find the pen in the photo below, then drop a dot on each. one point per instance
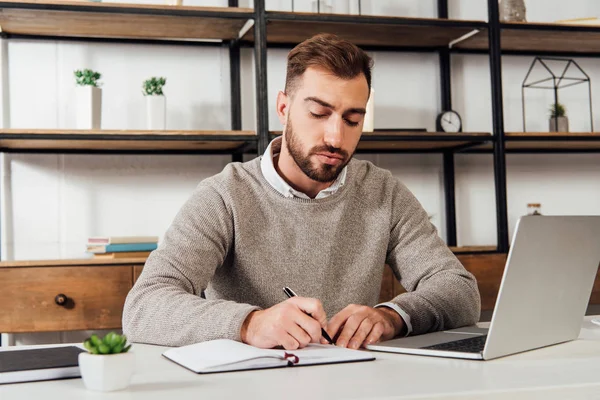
(290, 293)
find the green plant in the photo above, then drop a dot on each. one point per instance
(112, 343)
(557, 110)
(87, 77)
(154, 86)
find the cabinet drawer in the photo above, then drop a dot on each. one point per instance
(30, 298)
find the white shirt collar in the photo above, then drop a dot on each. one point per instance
(279, 184)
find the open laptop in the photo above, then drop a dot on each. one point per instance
(543, 296)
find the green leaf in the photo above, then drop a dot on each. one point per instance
(95, 340)
(117, 349)
(104, 349)
(126, 349)
(88, 345)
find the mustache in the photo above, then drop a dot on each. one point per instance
(329, 149)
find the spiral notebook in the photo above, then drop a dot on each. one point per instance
(223, 355)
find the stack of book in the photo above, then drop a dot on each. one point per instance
(122, 246)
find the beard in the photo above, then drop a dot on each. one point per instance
(316, 171)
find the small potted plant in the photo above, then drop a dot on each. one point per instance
(89, 99)
(156, 103)
(558, 118)
(108, 365)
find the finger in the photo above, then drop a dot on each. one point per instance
(336, 323)
(309, 325)
(288, 342)
(375, 335)
(350, 327)
(313, 307)
(361, 333)
(298, 334)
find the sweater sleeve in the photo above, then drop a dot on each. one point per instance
(165, 306)
(441, 293)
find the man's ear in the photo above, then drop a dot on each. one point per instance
(282, 107)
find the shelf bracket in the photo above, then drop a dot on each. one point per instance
(247, 26)
(463, 38)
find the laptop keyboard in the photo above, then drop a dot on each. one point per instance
(470, 345)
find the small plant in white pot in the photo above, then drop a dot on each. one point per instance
(558, 118)
(89, 99)
(156, 103)
(108, 365)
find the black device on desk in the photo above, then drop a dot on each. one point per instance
(39, 364)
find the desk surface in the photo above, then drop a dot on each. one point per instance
(566, 370)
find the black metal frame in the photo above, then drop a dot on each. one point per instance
(494, 32)
(259, 143)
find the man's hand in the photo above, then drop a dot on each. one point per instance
(361, 325)
(285, 324)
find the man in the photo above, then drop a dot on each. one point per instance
(307, 216)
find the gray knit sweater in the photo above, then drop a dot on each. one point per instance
(240, 242)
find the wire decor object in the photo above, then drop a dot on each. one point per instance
(557, 81)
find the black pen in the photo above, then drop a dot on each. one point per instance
(290, 293)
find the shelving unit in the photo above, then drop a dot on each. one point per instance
(233, 27)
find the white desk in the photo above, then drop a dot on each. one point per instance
(570, 370)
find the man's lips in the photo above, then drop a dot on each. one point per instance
(331, 155)
(330, 158)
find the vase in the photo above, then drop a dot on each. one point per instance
(106, 372)
(562, 126)
(512, 11)
(89, 107)
(156, 109)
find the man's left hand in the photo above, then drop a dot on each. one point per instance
(361, 325)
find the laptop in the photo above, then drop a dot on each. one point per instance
(544, 293)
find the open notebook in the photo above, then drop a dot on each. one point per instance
(228, 355)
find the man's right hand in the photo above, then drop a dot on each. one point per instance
(285, 324)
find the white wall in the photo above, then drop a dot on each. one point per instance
(52, 203)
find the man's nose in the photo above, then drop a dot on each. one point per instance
(334, 133)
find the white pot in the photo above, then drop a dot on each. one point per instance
(563, 124)
(89, 107)
(106, 373)
(156, 112)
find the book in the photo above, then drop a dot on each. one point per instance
(39, 364)
(224, 355)
(122, 247)
(121, 239)
(123, 254)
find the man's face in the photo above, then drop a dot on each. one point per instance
(324, 122)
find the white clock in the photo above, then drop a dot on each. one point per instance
(449, 121)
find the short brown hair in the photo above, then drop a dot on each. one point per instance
(341, 57)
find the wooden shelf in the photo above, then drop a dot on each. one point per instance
(417, 141)
(71, 262)
(123, 140)
(121, 20)
(380, 31)
(420, 141)
(534, 37)
(577, 141)
(473, 249)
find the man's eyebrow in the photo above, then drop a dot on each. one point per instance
(319, 101)
(326, 104)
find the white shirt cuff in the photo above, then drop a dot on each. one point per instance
(402, 314)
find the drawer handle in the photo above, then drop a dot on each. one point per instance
(61, 300)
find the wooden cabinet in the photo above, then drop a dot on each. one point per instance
(72, 295)
(63, 295)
